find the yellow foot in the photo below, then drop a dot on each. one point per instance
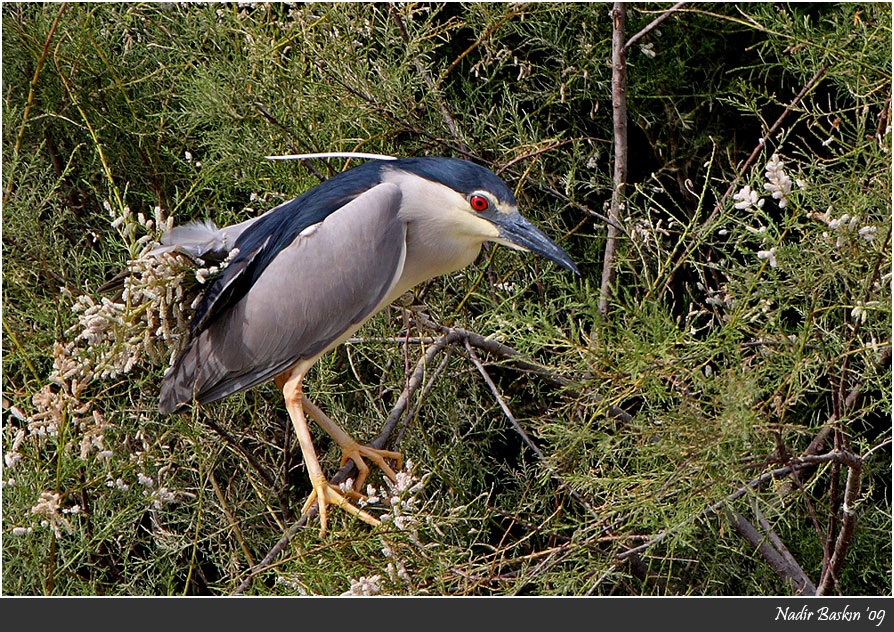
(356, 453)
(325, 494)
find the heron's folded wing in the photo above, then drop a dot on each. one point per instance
(312, 295)
(260, 240)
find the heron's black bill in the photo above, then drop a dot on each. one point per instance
(515, 230)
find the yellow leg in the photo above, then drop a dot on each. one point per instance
(323, 493)
(352, 450)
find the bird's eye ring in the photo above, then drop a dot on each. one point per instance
(479, 203)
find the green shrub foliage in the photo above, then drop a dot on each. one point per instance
(740, 379)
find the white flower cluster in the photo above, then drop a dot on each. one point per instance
(768, 255)
(157, 495)
(396, 570)
(720, 298)
(50, 510)
(844, 225)
(747, 198)
(61, 396)
(364, 587)
(503, 58)
(778, 182)
(646, 234)
(145, 325)
(400, 497)
(118, 483)
(779, 185)
(12, 458)
(111, 337)
(146, 322)
(294, 584)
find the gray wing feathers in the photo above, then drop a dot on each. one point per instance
(316, 291)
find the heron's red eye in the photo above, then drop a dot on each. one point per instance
(479, 203)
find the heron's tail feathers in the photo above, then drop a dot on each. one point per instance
(202, 239)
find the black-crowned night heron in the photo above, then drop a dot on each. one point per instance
(310, 272)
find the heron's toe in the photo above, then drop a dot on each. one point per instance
(325, 494)
(357, 453)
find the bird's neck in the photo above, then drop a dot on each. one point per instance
(427, 257)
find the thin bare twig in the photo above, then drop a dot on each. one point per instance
(582, 207)
(524, 435)
(501, 402)
(619, 115)
(275, 121)
(651, 25)
(234, 524)
(414, 409)
(247, 454)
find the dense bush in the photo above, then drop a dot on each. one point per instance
(724, 429)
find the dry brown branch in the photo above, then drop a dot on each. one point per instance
(415, 380)
(848, 522)
(771, 549)
(495, 348)
(619, 116)
(800, 578)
